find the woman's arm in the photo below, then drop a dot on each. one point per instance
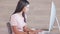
(26, 29)
(16, 31)
(13, 23)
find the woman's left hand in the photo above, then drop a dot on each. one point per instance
(37, 31)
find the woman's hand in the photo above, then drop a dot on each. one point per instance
(34, 32)
(31, 31)
(37, 31)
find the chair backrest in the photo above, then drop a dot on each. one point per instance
(9, 28)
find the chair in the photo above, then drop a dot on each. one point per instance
(9, 28)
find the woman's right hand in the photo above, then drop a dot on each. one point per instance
(34, 32)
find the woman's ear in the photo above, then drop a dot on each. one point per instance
(24, 9)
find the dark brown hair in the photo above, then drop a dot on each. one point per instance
(21, 4)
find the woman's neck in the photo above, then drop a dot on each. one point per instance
(21, 13)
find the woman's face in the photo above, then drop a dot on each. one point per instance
(26, 8)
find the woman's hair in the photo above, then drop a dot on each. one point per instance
(21, 4)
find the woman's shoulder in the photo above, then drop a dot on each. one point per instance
(15, 16)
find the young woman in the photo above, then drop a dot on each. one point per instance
(18, 19)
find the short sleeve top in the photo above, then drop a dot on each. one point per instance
(18, 21)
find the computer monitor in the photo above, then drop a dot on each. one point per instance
(52, 16)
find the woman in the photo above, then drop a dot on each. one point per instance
(18, 19)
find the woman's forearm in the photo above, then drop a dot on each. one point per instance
(15, 30)
(19, 32)
(26, 29)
